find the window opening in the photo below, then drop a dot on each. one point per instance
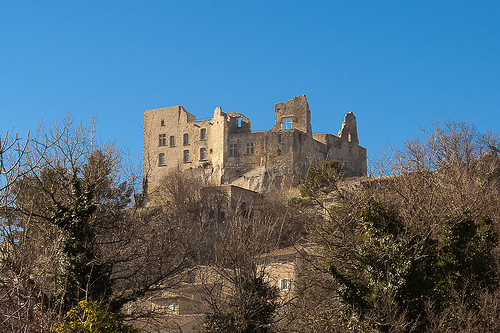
(162, 122)
(162, 140)
(239, 121)
(349, 136)
(279, 137)
(172, 141)
(161, 159)
(186, 139)
(171, 306)
(250, 148)
(211, 150)
(203, 134)
(203, 154)
(186, 156)
(278, 152)
(233, 150)
(287, 123)
(284, 284)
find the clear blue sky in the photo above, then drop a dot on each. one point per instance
(392, 63)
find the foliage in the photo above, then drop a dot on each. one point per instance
(251, 311)
(413, 269)
(82, 273)
(92, 317)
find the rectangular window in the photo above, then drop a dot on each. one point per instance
(162, 140)
(163, 123)
(239, 121)
(172, 141)
(203, 134)
(250, 148)
(203, 154)
(161, 159)
(287, 123)
(233, 150)
(171, 306)
(284, 284)
(186, 156)
(186, 139)
(279, 137)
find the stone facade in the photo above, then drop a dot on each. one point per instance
(224, 149)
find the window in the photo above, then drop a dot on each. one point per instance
(161, 159)
(203, 154)
(349, 136)
(278, 152)
(233, 150)
(203, 134)
(171, 306)
(239, 121)
(186, 156)
(211, 150)
(284, 284)
(163, 122)
(186, 139)
(279, 137)
(287, 123)
(162, 140)
(250, 148)
(172, 141)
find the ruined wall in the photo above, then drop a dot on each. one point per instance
(296, 109)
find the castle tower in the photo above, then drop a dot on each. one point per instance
(294, 114)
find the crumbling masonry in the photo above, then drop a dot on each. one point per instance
(225, 150)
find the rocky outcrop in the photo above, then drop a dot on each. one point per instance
(264, 180)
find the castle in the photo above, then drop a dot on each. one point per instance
(224, 149)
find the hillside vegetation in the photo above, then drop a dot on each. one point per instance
(413, 251)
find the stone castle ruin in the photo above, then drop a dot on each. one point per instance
(224, 150)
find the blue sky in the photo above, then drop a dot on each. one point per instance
(392, 63)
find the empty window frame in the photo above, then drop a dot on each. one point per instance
(286, 123)
(172, 141)
(239, 121)
(185, 139)
(162, 140)
(162, 122)
(233, 150)
(186, 156)
(161, 159)
(203, 134)
(250, 148)
(279, 137)
(203, 154)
